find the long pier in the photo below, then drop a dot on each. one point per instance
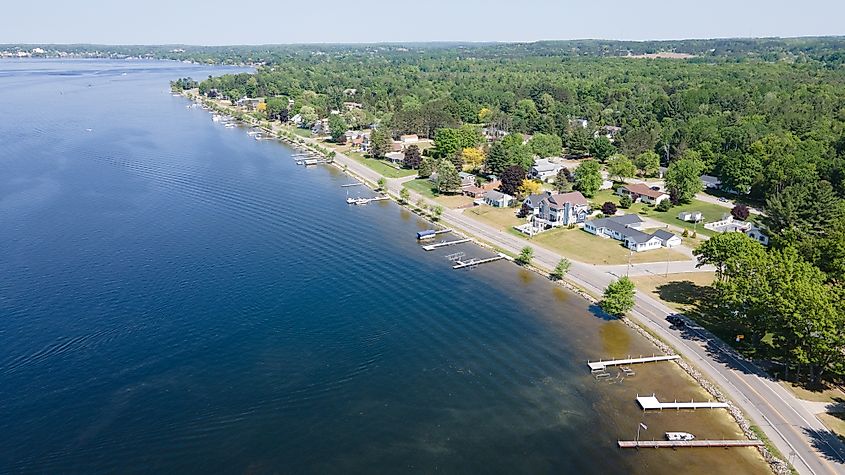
(476, 262)
(432, 247)
(599, 365)
(651, 403)
(673, 444)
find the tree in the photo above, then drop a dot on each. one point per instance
(618, 297)
(625, 201)
(683, 179)
(526, 118)
(563, 180)
(608, 208)
(438, 212)
(512, 179)
(337, 127)
(427, 167)
(648, 163)
(484, 115)
(804, 209)
(380, 141)
(545, 145)
(309, 115)
(588, 178)
(404, 195)
(473, 158)
(448, 180)
(412, 157)
(447, 141)
(620, 167)
(740, 212)
(530, 187)
(601, 148)
(275, 106)
(724, 249)
(382, 184)
(506, 152)
(560, 269)
(525, 256)
(664, 206)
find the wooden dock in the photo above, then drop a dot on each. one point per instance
(674, 444)
(431, 233)
(432, 247)
(651, 403)
(600, 365)
(476, 262)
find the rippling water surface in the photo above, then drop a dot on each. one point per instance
(176, 297)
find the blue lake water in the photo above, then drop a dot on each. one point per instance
(176, 297)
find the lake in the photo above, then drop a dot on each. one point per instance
(176, 297)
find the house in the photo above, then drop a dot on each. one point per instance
(758, 235)
(493, 133)
(248, 103)
(497, 199)
(690, 216)
(625, 228)
(396, 146)
(352, 105)
(583, 123)
(606, 185)
(544, 170)
(473, 191)
(297, 120)
(531, 204)
(642, 193)
(409, 139)
(321, 127)
(609, 131)
(729, 224)
(467, 179)
(711, 182)
(493, 184)
(395, 157)
(562, 210)
(667, 239)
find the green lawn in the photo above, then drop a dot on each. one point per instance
(301, 132)
(679, 291)
(380, 166)
(422, 186)
(585, 247)
(502, 218)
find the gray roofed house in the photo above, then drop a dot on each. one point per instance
(562, 209)
(497, 199)
(624, 228)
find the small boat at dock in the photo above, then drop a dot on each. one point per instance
(679, 436)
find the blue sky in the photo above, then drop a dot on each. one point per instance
(214, 22)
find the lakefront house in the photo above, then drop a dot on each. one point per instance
(642, 193)
(626, 228)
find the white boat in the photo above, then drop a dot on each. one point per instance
(679, 436)
(230, 126)
(216, 118)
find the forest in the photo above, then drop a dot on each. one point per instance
(767, 117)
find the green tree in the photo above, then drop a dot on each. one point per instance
(412, 157)
(723, 249)
(620, 167)
(309, 115)
(404, 195)
(683, 179)
(560, 269)
(648, 163)
(588, 178)
(382, 184)
(337, 127)
(618, 297)
(601, 148)
(625, 202)
(563, 180)
(380, 141)
(447, 141)
(427, 167)
(506, 152)
(438, 212)
(526, 118)
(525, 256)
(545, 145)
(448, 180)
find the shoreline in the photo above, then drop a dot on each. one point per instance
(769, 456)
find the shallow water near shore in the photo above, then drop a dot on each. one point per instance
(177, 297)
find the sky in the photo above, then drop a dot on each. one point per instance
(217, 22)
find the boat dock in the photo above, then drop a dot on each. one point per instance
(432, 247)
(600, 365)
(476, 262)
(350, 184)
(363, 201)
(673, 444)
(431, 233)
(651, 403)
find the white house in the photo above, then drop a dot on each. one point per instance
(690, 216)
(395, 157)
(667, 239)
(498, 199)
(625, 228)
(562, 210)
(544, 170)
(757, 234)
(409, 139)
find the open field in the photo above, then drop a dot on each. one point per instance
(679, 291)
(380, 166)
(585, 247)
(422, 186)
(454, 201)
(502, 218)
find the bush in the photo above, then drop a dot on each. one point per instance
(525, 256)
(686, 233)
(609, 208)
(625, 202)
(664, 205)
(740, 212)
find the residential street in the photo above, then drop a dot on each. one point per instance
(793, 429)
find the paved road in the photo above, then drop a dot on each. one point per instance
(793, 429)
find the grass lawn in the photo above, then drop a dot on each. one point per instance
(585, 247)
(380, 166)
(301, 132)
(422, 186)
(679, 291)
(502, 218)
(825, 394)
(454, 201)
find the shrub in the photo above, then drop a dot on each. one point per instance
(625, 202)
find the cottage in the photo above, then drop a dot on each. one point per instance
(642, 193)
(473, 191)
(544, 170)
(609, 131)
(625, 228)
(606, 185)
(467, 179)
(493, 184)
(409, 139)
(757, 234)
(248, 103)
(562, 210)
(394, 157)
(711, 182)
(583, 123)
(396, 146)
(690, 216)
(497, 199)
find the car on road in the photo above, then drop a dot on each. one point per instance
(676, 320)
(723, 199)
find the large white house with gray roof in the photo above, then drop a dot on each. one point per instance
(626, 228)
